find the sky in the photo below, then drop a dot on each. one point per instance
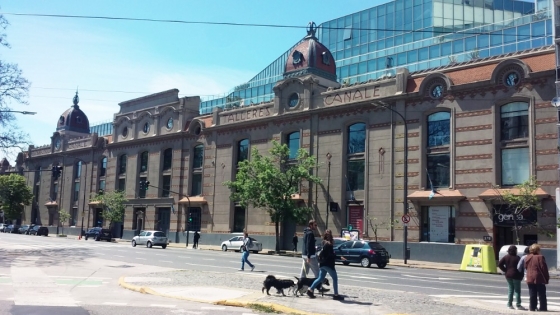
(110, 61)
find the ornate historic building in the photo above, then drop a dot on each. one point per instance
(473, 130)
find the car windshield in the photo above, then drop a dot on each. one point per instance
(159, 234)
(374, 245)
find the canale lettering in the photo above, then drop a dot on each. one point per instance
(248, 114)
(352, 96)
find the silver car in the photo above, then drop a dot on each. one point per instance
(235, 243)
(150, 238)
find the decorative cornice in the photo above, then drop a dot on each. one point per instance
(473, 157)
(473, 113)
(474, 171)
(473, 128)
(473, 142)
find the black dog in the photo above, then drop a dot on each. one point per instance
(279, 284)
(307, 282)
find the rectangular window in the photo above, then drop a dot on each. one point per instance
(515, 166)
(196, 188)
(238, 219)
(76, 191)
(355, 175)
(514, 124)
(74, 217)
(102, 185)
(55, 192)
(122, 184)
(438, 170)
(438, 224)
(166, 186)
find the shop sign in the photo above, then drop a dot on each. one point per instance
(506, 218)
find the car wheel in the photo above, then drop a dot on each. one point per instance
(365, 262)
(97, 239)
(133, 243)
(224, 248)
(108, 240)
(164, 246)
(149, 244)
(86, 237)
(381, 265)
(345, 263)
(255, 251)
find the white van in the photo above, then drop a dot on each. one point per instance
(504, 249)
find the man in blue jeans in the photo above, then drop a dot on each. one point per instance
(247, 243)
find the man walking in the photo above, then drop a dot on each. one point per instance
(295, 241)
(308, 253)
(196, 237)
(247, 244)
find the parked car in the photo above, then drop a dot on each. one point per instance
(99, 234)
(337, 241)
(363, 252)
(3, 227)
(236, 242)
(12, 228)
(504, 249)
(150, 238)
(24, 228)
(39, 230)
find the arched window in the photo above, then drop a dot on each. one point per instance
(438, 129)
(122, 164)
(438, 160)
(355, 149)
(144, 162)
(242, 150)
(198, 156)
(292, 140)
(103, 167)
(167, 159)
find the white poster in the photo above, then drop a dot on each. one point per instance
(439, 224)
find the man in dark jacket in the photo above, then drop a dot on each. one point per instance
(308, 253)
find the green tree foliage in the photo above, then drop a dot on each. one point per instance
(113, 204)
(377, 224)
(268, 182)
(520, 199)
(63, 216)
(14, 89)
(14, 194)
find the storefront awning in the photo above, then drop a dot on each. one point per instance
(448, 195)
(194, 200)
(94, 203)
(51, 204)
(495, 193)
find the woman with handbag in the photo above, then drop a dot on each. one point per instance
(537, 278)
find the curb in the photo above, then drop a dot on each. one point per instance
(235, 303)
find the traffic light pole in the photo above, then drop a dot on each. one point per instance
(188, 212)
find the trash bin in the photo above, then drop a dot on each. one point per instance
(408, 253)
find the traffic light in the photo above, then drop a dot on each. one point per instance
(146, 185)
(190, 217)
(56, 171)
(142, 185)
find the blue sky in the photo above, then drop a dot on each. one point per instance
(113, 61)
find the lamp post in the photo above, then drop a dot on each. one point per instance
(329, 156)
(405, 181)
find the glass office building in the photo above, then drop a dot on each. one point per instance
(416, 34)
(102, 129)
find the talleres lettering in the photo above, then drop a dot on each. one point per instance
(248, 114)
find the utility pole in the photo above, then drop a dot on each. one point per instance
(329, 156)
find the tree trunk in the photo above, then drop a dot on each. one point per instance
(277, 230)
(516, 229)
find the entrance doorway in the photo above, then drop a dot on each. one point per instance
(163, 219)
(503, 235)
(238, 219)
(98, 219)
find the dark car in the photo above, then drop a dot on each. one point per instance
(99, 234)
(39, 230)
(12, 228)
(364, 253)
(24, 229)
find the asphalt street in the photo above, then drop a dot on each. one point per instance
(438, 284)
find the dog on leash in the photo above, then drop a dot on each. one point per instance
(279, 284)
(306, 283)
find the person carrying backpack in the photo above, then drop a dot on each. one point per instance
(247, 244)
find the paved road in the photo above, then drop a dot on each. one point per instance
(437, 284)
(40, 275)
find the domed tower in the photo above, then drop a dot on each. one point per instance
(310, 57)
(73, 121)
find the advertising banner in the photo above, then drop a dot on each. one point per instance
(356, 217)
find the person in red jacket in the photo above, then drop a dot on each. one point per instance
(508, 264)
(537, 278)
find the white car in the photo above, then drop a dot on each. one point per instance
(150, 238)
(236, 242)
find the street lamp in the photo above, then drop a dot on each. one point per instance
(18, 111)
(405, 181)
(329, 156)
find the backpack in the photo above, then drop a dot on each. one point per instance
(248, 243)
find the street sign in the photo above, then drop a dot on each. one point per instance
(350, 227)
(487, 238)
(405, 218)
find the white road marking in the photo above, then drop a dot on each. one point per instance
(159, 254)
(166, 261)
(115, 303)
(118, 256)
(212, 308)
(209, 259)
(71, 277)
(140, 258)
(438, 278)
(162, 305)
(361, 277)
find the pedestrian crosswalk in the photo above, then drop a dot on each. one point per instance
(66, 245)
(493, 302)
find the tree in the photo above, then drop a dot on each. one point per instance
(14, 89)
(63, 216)
(113, 206)
(14, 194)
(519, 201)
(376, 224)
(268, 182)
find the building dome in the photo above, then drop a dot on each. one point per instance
(73, 119)
(310, 56)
